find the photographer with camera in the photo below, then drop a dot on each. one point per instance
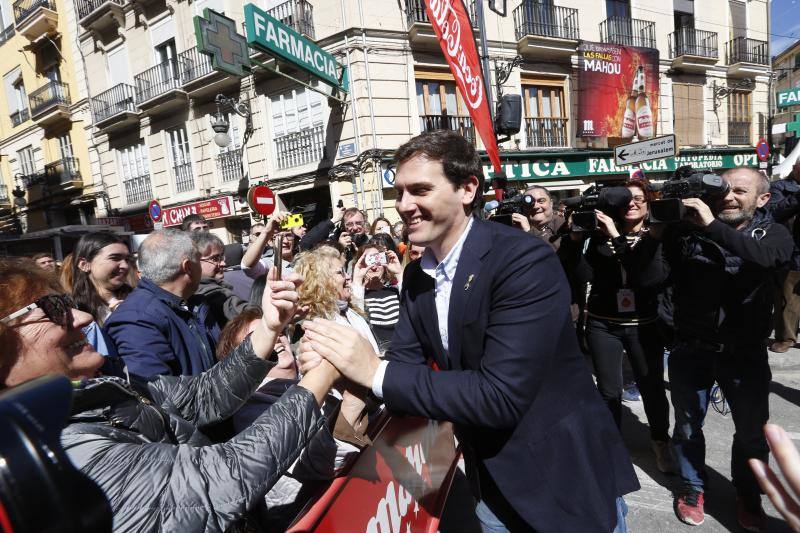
(622, 307)
(723, 259)
(538, 216)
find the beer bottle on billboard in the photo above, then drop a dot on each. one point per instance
(644, 114)
(629, 119)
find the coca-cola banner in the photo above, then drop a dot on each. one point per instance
(618, 91)
(453, 28)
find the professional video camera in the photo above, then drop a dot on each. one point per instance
(503, 209)
(609, 200)
(40, 489)
(685, 183)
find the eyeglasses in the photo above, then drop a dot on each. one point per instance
(56, 307)
(639, 200)
(214, 259)
(354, 224)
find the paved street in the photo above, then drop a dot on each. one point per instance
(651, 507)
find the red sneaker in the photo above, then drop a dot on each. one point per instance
(689, 508)
(751, 515)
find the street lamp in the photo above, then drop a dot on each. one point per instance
(220, 124)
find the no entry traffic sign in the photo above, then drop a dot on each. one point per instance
(261, 200)
(762, 150)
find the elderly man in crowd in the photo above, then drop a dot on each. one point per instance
(539, 218)
(217, 294)
(162, 327)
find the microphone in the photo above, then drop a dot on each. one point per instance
(491, 205)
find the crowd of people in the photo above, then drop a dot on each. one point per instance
(215, 384)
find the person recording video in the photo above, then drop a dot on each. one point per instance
(622, 307)
(538, 217)
(723, 259)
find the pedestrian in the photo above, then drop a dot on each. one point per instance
(217, 294)
(100, 271)
(194, 222)
(45, 261)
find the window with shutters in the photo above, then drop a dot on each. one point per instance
(687, 100)
(298, 127)
(440, 105)
(134, 169)
(25, 161)
(229, 159)
(546, 121)
(180, 154)
(739, 118)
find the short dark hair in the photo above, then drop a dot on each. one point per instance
(539, 188)
(40, 255)
(458, 157)
(187, 221)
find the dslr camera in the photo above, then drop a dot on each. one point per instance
(609, 200)
(686, 183)
(503, 209)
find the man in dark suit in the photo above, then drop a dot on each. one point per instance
(490, 305)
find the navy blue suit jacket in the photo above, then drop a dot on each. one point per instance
(515, 383)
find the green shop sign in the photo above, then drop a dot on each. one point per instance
(270, 35)
(788, 98)
(549, 166)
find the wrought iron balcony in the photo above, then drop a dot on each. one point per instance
(53, 94)
(25, 8)
(195, 65)
(744, 50)
(459, 124)
(63, 171)
(18, 117)
(118, 99)
(100, 14)
(546, 132)
(416, 13)
(545, 20)
(297, 14)
(628, 32)
(87, 7)
(32, 179)
(4, 199)
(184, 178)
(158, 80)
(300, 147)
(230, 165)
(739, 133)
(137, 189)
(7, 34)
(693, 42)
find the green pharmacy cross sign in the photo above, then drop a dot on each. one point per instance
(216, 36)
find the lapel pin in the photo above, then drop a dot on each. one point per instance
(469, 282)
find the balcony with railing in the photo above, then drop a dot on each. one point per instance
(229, 165)
(546, 30)
(63, 172)
(115, 108)
(198, 76)
(159, 88)
(184, 178)
(739, 133)
(628, 32)
(35, 18)
(300, 147)
(297, 14)
(7, 34)
(20, 116)
(747, 57)
(137, 189)
(100, 15)
(546, 132)
(693, 49)
(50, 103)
(459, 124)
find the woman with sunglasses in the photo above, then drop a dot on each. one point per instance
(622, 310)
(142, 442)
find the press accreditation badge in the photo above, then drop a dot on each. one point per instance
(626, 301)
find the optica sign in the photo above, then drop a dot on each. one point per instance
(210, 209)
(267, 33)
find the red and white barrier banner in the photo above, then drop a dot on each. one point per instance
(214, 208)
(398, 484)
(453, 29)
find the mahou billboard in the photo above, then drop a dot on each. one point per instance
(618, 91)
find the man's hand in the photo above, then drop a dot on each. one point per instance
(344, 347)
(274, 225)
(786, 499)
(279, 302)
(521, 220)
(345, 240)
(338, 215)
(606, 224)
(699, 213)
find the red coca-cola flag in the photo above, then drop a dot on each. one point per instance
(454, 30)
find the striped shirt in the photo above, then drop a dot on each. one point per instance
(383, 309)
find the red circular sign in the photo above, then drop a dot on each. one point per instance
(261, 200)
(762, 150)
(155, 211)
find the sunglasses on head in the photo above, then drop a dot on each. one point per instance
(56, 307)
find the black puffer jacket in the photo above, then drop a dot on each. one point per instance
(724, 279)
(160, 473)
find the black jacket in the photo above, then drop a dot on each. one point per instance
(144, 447)
(724, 279)
(784, 206)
